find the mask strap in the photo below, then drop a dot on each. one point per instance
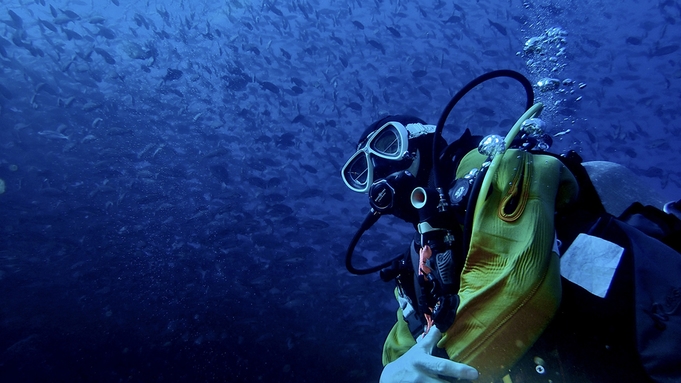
(417, 130)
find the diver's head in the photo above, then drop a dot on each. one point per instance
(393, 157)
(389, 145)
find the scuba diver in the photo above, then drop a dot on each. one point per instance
(520, 268)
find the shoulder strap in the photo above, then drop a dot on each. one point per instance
(655, 223)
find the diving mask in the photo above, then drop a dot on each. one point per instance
(389, 142)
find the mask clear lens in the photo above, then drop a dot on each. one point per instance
(387, 142)
(356, 171)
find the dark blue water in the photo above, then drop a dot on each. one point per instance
(172, 208)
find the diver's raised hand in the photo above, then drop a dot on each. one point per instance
(418, 365)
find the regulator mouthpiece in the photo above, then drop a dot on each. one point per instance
(391, 196)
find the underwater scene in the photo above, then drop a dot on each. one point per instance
(171, 201)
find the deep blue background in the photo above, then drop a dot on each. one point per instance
(193, 228)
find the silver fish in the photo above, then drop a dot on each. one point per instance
(53, 135)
